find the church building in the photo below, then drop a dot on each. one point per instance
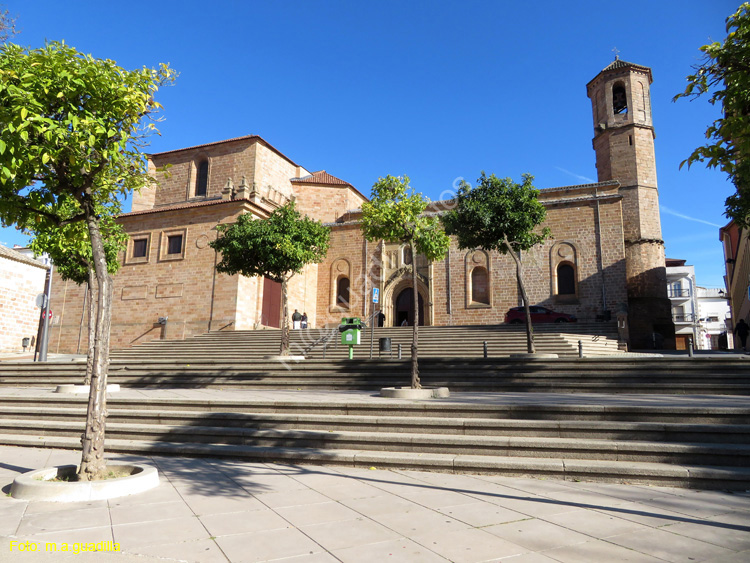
(605, 260)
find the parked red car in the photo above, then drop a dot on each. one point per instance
(517, 315)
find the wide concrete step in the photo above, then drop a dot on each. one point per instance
(375, 440)
(683, 475)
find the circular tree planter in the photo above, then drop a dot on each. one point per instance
(51, 484)
(534, 356)
(409, 393)
(285, 358)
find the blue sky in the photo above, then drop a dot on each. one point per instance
(435, 90)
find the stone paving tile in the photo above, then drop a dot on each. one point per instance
(291, 498)
(70, 536)
(597, 551)
(420, 521)
(348, 533)
(595, 524)
(741, 557)
(401, 550)
(149, 512)
(218, 504)
(40, 507)
(317, 557)
(714, 533)
(668, 546)
(243, 522)
(480, 514)
(469, 546)
(741, 519)
(536, 535)
(695, 505)
(165, 492)
(646, 515)
(160, 532)
(200, 551)
(267, 545)
(318, 513)
(11, 513)
(383, 504)
(64, 520)
(349, 490)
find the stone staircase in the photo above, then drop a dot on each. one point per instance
(654, 442)
(612, 375)
(597, 339)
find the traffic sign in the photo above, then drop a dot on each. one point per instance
(375, 294)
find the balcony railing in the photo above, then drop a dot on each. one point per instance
(674, 292)
(684, 318)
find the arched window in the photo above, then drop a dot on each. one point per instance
(342, 292)
(619, 99)
(480, 286)
(566, 280)
(201, 182)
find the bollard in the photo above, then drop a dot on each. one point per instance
(580, 348)
(690, 347)
(399, 351)
(485, 348)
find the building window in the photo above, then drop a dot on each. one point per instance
(174, 244)
(566, 280)
(140, 248)
(342, 293)
(201, 183)
(480, 286)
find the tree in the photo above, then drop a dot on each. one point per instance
(7, 26)
(499, 214)
(72, 131)
(277, 248)
(395, 213)
(725, 76)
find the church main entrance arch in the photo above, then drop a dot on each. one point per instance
(403, 304)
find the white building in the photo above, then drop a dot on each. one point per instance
(682, 295)
(714, 319)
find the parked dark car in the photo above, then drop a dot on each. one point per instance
(517, 315)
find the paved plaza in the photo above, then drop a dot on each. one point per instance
(217, 510)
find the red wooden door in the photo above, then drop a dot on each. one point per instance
(271, 303)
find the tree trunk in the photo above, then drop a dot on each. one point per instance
(530, 348)
(415, 382)
(284, 350)
(91, 326)
(93, 465)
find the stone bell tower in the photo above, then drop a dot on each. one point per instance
(624, 144)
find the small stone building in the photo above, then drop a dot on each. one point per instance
(606, 257)
(21, 280)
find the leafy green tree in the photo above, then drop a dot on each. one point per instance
(277, 248)
(395, 213)
(71, 130)
(499, 214)
(724, 75)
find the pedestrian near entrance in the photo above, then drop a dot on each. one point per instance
(303, 320)
(405, 322)
(742, 330)
(296, 319)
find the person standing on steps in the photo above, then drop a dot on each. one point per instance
(742, 330)
(296, 319)
(303, 320)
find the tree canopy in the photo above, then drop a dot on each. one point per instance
(396, 213)
(277, 248)
(724, 75)
(499, 214)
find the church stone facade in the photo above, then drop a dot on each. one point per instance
(605, 260)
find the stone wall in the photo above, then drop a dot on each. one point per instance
(21, 280)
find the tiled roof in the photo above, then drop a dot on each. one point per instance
(619, 63)
(257, 138)
(11, 254)
(321, 177)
